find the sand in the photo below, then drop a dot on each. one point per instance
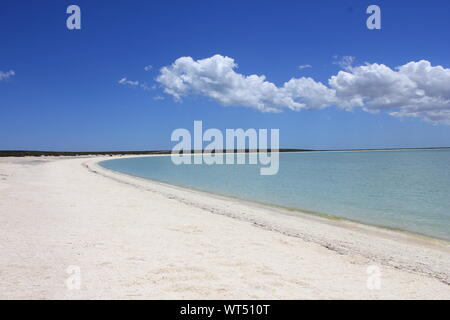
(66, 222)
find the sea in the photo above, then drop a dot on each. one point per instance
(407, 190)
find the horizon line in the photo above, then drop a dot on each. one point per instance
(23, 153)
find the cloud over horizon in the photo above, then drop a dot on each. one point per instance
(415, 89)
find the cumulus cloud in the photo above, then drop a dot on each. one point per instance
(148, 68)
(416, 89)
(216, 78)
(5, 75)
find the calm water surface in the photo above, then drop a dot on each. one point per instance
(407, 190)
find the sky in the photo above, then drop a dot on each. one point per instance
(137, 70)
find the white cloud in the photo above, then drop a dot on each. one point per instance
(416, 89)
(136, 84)
(125, 81)
(215, 77)
(344, 62)
(313, 94)
(304, 66)
(146, 86)
(5, 75)
(148, 68)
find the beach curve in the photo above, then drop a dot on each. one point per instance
(134, 238)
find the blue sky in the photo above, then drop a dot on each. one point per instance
(65, 92)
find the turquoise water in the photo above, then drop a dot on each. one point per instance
(407, 190)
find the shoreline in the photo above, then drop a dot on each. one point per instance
(280, 208)
(341, 223)
(133, 238)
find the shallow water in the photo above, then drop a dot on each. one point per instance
(406, 190)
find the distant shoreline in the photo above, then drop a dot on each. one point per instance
(38, 153)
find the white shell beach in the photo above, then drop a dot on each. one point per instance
(136, 239)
